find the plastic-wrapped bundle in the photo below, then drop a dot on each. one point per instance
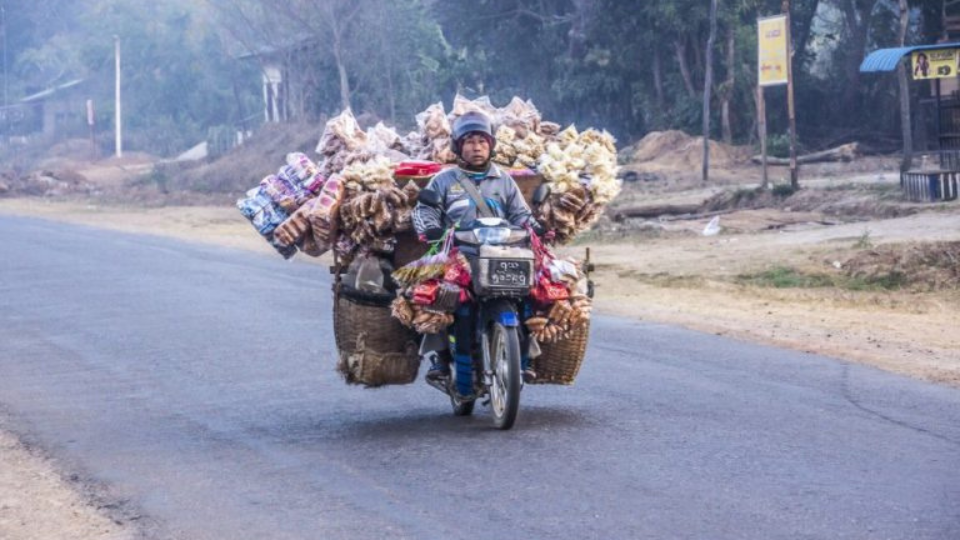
(521, 116)
(296, 227)
(261, 210)
(372, 175)
(289, 174)
(435, 131)
(308, 174)
(324, 216)
(341, 136)
(265, 216)
(514, 149)
(280, 191)
(381, 136)
(303, 167)
(433, 122)
(462, 105)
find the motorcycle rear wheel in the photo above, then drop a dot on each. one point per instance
(504, 347)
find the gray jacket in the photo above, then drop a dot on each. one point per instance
(497, 187)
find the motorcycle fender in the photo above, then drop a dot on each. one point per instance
(509, 319)
(505, 313)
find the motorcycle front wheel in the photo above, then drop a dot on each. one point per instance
(461, 407)
(505, 361)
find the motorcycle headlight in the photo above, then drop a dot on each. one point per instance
(492, 235)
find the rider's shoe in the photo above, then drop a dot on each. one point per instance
(529, 375)
(440, 367)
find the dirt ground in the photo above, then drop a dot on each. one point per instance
(846, 232)
(38, 503)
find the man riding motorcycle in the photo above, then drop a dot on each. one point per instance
(475, 188)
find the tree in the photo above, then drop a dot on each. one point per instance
(707, 87)
(857, 17)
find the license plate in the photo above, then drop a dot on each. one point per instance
(510, 273)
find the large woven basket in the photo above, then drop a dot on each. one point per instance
(374, 348)
(560, 362)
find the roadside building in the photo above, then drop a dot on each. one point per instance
(56, 112)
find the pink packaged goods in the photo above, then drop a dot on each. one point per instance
(302, 166)
(280, 191)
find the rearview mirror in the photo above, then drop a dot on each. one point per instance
(541, 194)
(429, 197)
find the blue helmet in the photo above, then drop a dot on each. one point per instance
(471, 122)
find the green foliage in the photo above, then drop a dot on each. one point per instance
(783, 277)
(778, 145)
(889, 281)
(177, 79)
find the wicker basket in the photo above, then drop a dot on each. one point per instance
(375, 349)
(560, 362)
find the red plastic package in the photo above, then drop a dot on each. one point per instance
(548, 292)
(425, 293)
(417, 168)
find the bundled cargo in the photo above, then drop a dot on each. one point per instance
(286, 206)
(431, 288)
(560, 321)
(582, 171)
(357, 202)
(265, 215)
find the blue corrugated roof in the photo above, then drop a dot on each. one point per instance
(887, 59)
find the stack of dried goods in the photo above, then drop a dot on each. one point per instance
(582, 171)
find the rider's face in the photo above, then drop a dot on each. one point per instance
(475, 149)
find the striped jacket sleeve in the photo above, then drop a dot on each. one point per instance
(425, 217)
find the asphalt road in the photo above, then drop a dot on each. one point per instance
(195, 388)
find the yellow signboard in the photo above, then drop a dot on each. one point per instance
(772, 56)
(936, 64)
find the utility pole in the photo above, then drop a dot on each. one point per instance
(119, 126)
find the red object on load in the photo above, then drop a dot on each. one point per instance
(548, 292)
(417, 168)
(425, 293)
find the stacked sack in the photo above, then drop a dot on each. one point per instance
(351, 203)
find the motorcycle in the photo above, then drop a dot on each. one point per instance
(502, 276)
